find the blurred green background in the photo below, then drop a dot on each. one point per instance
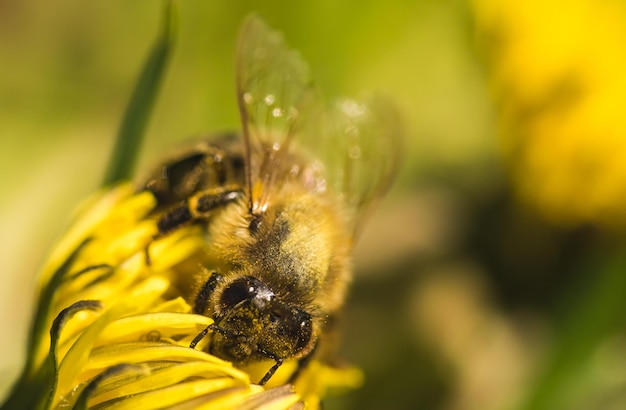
(492, 277)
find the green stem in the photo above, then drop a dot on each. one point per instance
(142, 102)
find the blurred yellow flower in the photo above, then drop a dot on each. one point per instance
(112, 331)
(557, 72)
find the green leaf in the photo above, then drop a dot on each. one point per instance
(142, 101)
(108, 375)
(50, 369)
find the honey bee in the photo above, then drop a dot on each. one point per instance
(282, 204)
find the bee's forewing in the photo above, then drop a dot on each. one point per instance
(357, 144)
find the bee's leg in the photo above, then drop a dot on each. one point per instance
(201, 302)
(204, 295)
(197, 207)
(203, 334)
(175, 218)
(302, 364)
(200, 336)
(204, 203)
(273, 369)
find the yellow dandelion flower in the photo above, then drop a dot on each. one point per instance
(557, 72)
(112, 332)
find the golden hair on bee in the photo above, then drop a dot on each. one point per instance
(301, 243)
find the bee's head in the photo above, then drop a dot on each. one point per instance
(253, 324)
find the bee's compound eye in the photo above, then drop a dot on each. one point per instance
(237, 292)
(247, 288)
(305, 329)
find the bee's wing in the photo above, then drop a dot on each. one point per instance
(357, 143)
(362, 152)
(273, 88)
